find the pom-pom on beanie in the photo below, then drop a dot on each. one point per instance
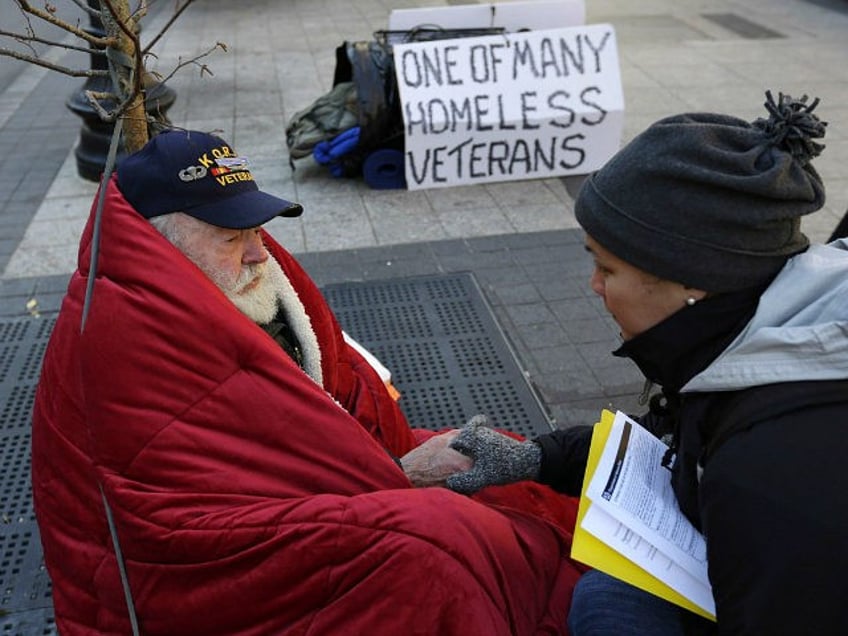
(707, 200)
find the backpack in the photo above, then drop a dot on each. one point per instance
(323, 120)
(364, 94)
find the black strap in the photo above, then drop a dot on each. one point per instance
(122, 568)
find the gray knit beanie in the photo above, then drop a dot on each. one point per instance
(707, 200)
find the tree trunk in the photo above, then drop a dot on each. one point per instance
(119, 26)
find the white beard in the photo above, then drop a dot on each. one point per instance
(261, 303)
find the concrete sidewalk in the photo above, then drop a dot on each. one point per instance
(675, 56)
(519, 238)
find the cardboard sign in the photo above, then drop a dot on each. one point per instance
(507, 107)
(511, 16)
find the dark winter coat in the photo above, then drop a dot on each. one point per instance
(755, 398)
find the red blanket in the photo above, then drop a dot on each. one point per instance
(248, 498)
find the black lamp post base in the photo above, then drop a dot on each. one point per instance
(96, 135)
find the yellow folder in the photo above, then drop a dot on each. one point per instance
(590, 550)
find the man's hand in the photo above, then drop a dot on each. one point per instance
(434, 461)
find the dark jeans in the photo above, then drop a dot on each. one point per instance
(603, 605)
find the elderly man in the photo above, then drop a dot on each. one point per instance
(247, 454)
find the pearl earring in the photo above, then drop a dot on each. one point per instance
(691, 301)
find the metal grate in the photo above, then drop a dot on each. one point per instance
(22, 343)
(31, 623)
(16, 409)
(437, 334)
(448, 357)
(26, 603)
(24, 584)
(15, 489)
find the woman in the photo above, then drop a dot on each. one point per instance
(694, 228)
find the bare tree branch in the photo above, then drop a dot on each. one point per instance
(194, 62)
(62, 24)
(85, 7)
(96, 100)
(34, 59)
(168, 25)
(125, 93)
(25, 39)
(140, 11)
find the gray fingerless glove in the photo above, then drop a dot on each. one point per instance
(498, 459)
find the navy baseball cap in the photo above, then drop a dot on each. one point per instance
(199, 174)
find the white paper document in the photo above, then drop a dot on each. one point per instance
(634, 510)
